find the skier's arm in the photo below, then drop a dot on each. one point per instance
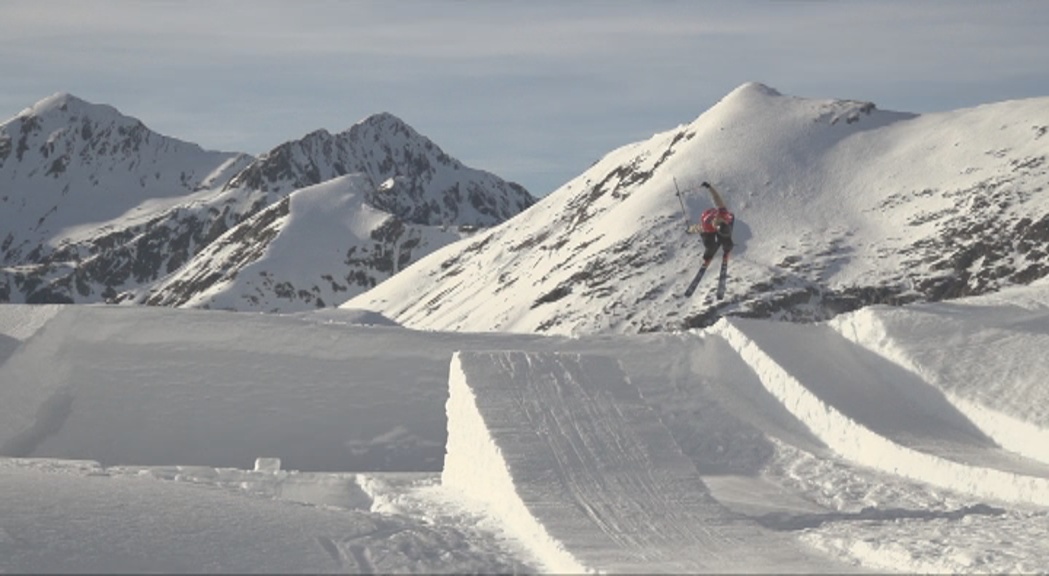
(714, 194)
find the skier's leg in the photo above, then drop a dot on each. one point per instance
(726, 243)
(710, 243)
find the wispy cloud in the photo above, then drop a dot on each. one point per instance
(506, 86)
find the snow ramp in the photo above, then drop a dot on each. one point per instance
(986, 354)
(873, 412)
(567, 455)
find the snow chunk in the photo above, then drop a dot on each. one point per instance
(267, 465)
(21, 322)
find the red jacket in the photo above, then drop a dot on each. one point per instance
(706, 220)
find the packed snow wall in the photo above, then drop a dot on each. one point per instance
(566, 452)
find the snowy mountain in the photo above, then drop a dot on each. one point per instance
(413, 178)
(316, 247)
(69, 167)
(838, 205)
(99, 208)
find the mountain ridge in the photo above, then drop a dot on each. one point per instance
(838, 205)
(104, 208)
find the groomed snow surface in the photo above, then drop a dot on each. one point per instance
(162, 440)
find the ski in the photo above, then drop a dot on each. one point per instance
(722, 276)
(695, 281)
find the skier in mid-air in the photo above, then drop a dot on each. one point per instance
(715, 226)
(715, 229)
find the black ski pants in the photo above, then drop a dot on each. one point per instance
(712, 241)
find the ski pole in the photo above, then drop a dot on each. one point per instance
(684, 211)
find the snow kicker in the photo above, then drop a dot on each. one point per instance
(567, 454)
(917, 434)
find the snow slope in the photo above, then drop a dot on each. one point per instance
(324, 243)
(982, 352)
(146, 439)
(838, 205)
(883, 417)
(67, 516)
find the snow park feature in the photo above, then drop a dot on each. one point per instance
(353, 354)
(147, 439)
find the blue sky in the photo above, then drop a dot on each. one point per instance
(533, 91)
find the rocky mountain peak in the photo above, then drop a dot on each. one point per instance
(410, 176)
(62, 106)
(62, 130)
(383, 123)
(95, 207)
(838, 206)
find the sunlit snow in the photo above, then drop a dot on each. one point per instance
(529, 400)
(829, 196)
(146, 439)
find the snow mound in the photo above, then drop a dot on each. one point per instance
(567, 453)
(352, 316)
(91, 373)
(873, 413)
(985, 354)
(21, 322)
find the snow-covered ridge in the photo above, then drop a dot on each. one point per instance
(66, 163)
(838, 205)
(96, 207)
(411, 177)
(319, 246)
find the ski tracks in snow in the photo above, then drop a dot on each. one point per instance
(603, 484)
(597, 469)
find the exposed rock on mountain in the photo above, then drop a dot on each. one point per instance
(100, 208)
(838, 205)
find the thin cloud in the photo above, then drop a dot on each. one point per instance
(493, 82)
